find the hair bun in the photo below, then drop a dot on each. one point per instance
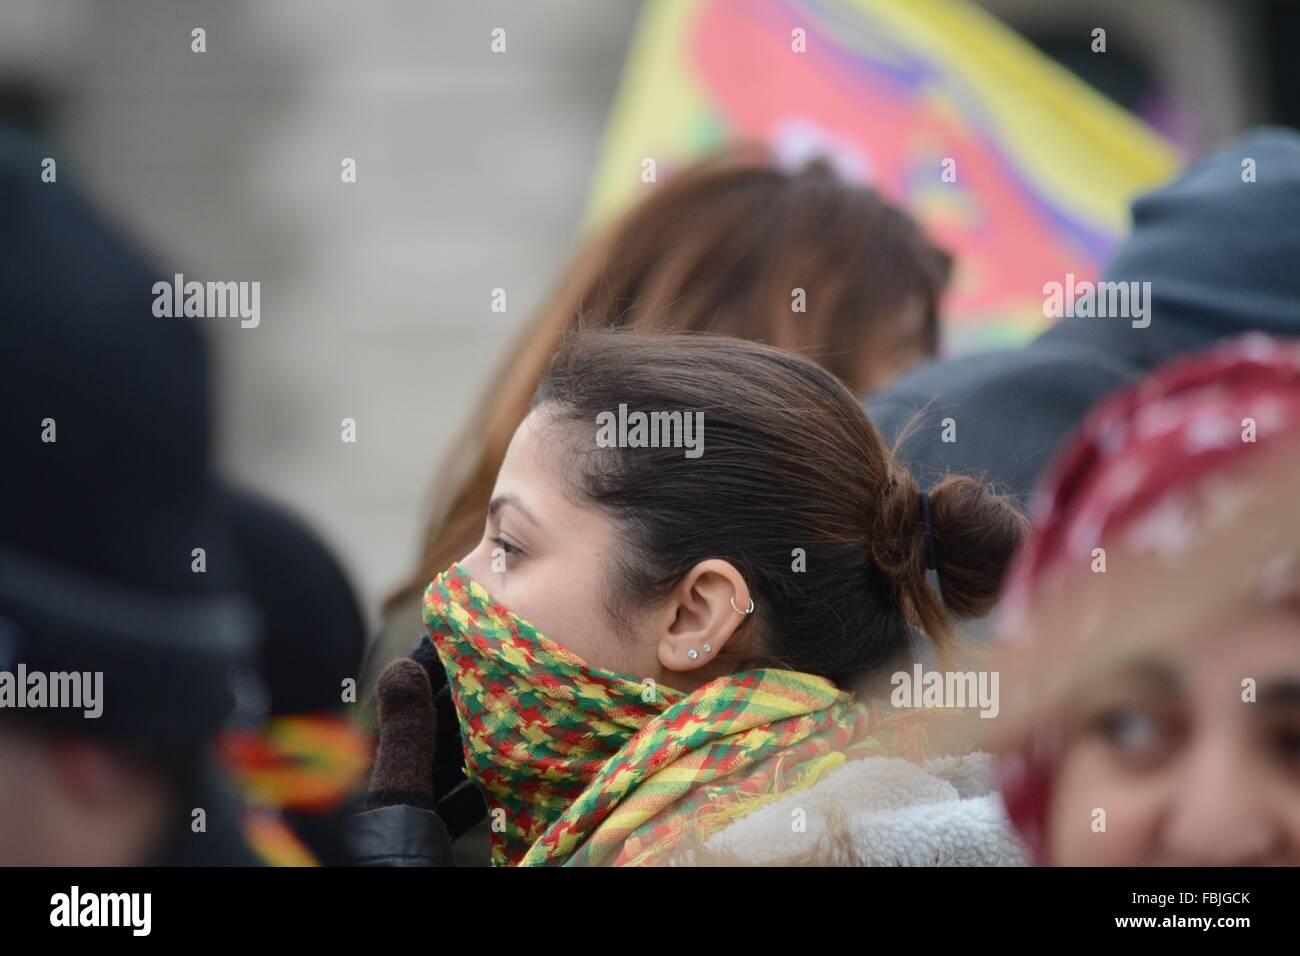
(965, 531)
(976, 533)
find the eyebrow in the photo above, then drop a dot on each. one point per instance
(1143, 675)
(500, 501)
(1155, 673)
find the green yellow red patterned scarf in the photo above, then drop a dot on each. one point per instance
(585, 766)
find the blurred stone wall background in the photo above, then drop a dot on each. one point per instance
(472, 171)
(472, 175)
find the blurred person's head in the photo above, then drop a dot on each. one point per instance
(311, 620)
(644, 560)
(800, 260)
(117, 580)
(1153, 626)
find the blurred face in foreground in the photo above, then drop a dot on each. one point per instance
(1153, 625)
(1192, 752)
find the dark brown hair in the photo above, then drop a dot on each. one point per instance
(720, 246)
(789, 461)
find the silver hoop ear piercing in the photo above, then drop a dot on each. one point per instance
(747, 611)
(693, 654)
(707, 648)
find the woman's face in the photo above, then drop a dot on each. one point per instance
(1179, 762)
(547, 558)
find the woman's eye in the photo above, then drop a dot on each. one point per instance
(1286, 744)
(505, 545)
(1135, 736)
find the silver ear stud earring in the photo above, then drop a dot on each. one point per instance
(749, 610)
(707, 648)
(693, 654)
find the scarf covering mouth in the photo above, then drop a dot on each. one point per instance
(583, 766)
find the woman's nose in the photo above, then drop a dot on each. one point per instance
(471, 563)
(1219, 814)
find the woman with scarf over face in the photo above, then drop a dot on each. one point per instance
(666, 652)
(733, 245)
(1151, 684)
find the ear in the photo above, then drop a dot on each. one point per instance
(700, 617)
